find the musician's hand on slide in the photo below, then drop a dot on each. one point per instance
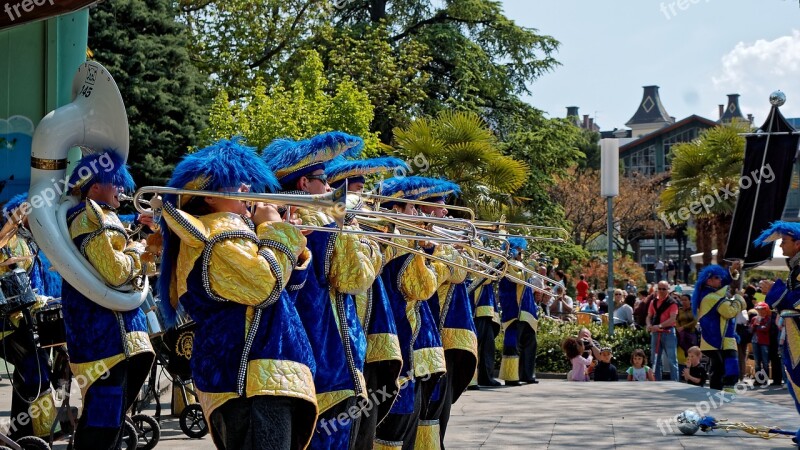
(266, 212)
(765, 286)
(737, 265)
(147, 220)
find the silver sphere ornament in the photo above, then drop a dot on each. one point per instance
(688, 422)
(777, 98)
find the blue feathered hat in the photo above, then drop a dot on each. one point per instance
(707, 272)
(354, 170)
(12, 204)
(439, 191)
(106, 167)
(224, 164)
(291, 160)
(515, 245)
(404, 188)
(776, 231)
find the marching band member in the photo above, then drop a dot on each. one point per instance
(716, 313)
(342, 266)
(384, 359)
(410, 280)
(519, 317)
(785, 298)
(487, 326)
(252, 364)
(102, 342)
(31, 378)
(452, 312)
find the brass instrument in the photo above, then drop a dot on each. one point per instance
(383, 198)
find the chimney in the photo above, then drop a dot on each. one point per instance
(732, 111)
(721, 110)
(572, 111)
(651, 111)
(585, 121)
(591, 124)
(750, 118)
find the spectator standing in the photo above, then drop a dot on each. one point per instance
(630, 287)
(745, 333)
(640, 310)
(671, 271)
(639, 370)
(686, 327)
(605, 371)
(659, 270)
(687, 269)
(760, 327)
(581, 289)
(661, 317)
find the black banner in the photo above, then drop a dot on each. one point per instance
(768, 163)
(18, 12)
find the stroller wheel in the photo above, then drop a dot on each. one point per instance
(193, 423)
(129, 437)
(147, 430)
(32, 443)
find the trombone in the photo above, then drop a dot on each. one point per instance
(496, 226)
(379, 198)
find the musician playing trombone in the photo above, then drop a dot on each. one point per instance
(109, 349)
(252, 364)
(384, 359)
(451, 310)
(410, 280)
(31, 378)
(520, 320)
(342, 265)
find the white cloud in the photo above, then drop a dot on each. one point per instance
(756, 69)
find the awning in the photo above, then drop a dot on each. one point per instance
(776, 264)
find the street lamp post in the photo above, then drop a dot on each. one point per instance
(609, 188)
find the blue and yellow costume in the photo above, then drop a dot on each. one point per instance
(518, 313)
(342, 266)
(410, 280)
(487, 326)
(453, 315)
(384, 359)
(251, 361)
(31, 378)
(716, 314)
(785, 298)
(101, 340)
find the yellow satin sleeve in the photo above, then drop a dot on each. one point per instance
(17, 246)
(419, 281)
(375, 255)
(352, 269)
(237, 272)
(108, 252)
(314, 218)
(729, 308)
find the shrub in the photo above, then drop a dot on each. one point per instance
(550, 357)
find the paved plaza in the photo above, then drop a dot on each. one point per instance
(555, 414)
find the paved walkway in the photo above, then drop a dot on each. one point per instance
(555, 414)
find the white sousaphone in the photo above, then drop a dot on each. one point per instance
(96, 119)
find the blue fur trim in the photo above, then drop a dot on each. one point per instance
(440, 188)
(776, 230)
(224, 164)
(702, 277)
(341, 168)
(117, 174)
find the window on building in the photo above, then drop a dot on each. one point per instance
(676, 138)
(642, 161)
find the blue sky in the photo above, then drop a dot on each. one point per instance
(697, 55)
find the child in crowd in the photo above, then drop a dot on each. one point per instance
(573, 348)
(694, 373)
(760, 328)
(605, 371)
(639, 370)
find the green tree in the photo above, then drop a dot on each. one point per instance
(460, 147)
(145, 48)
(298, 110)
(701, 170)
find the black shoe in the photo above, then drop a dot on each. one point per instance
(491, 383)
(513, 383)
(473, 387)
(532, 381)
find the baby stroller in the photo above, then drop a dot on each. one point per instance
(173, 351)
